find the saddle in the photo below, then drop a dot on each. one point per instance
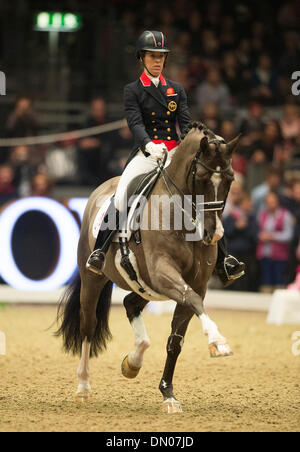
(143, 184)
(138, 192)
(140, 188)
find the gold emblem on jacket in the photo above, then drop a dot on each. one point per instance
(172, 106)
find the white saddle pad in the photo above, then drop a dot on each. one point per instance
(130, 219)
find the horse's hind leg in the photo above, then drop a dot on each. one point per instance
(181, 319)
(90, 295)
(134, 305)
(83, 373)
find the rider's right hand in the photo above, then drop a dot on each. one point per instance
(156, 150)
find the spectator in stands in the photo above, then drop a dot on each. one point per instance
(92, 154)
(271, 140)
(243, 54)
(261, 154)
(275, 232)
(120, 145)
(209, 49)
(291, 201)
(227, 35)
(252, 126)
(290, 122)
(264, 81)
(167, 19)
(195, 68)
(245, 63)
(241, 233)
(41, 185)
(289, 60)
(61, 162)
(24, 169)
(210, 116)
(288, 15)
(273, 184)
(23, 121)
(213, 90)
(213, 14)
(231, 75)
(182, 77)
(257, 39)
(181, 49)
(195, 26)
(228, 132)
(8, 190)
(234, 199)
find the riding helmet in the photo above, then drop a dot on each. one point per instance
(154, 41)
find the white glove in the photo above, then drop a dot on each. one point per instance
(156, 150)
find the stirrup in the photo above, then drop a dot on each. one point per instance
(225, 277)
(96, 262)
(238, 264)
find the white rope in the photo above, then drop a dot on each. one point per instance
(74, 134)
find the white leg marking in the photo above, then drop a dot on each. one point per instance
(141, 342)
(83, 372)
(210, 329)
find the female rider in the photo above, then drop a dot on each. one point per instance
(153, 105)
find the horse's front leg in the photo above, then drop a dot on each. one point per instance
(181, 319)
(132, 363)
(217, 344)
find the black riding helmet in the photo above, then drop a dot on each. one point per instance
(153, 41)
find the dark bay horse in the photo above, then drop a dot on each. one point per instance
(169, 266)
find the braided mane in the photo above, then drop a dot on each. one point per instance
(196, 125)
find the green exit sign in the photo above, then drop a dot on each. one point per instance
(56, 21)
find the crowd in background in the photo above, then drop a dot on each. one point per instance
(237, 74)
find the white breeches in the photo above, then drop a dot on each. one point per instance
(138, 165)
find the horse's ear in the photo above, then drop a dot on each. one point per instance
(230, 147)
(204, 146)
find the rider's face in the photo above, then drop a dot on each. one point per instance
(154, 62)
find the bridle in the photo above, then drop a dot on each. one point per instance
(212, 206)
(207, 206)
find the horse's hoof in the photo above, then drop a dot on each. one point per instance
(83, 397)
(127, 370)
(171, 406)
(219, 350)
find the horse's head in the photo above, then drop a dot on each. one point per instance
(210, 174)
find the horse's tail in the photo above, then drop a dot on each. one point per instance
(69, 316)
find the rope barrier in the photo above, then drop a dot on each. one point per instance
(74, 134)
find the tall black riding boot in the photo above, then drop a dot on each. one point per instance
(228, 268)
(96, 261)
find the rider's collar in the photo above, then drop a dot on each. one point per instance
(146, 80)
